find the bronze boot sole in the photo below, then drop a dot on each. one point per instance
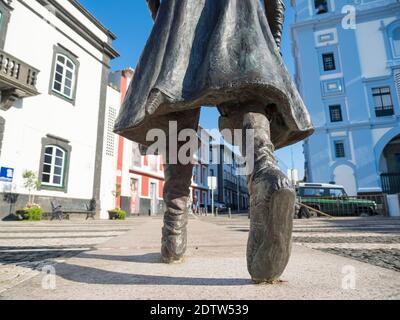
(269, 245)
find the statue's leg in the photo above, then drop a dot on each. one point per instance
(176, 195)
(272, 200)
(178, 179)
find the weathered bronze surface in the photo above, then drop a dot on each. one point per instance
(226, 54)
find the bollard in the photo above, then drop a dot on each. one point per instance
(230, 213)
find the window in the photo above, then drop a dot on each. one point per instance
(328, 60)
(396, 42)
(336, 113)
(383, 101)
(136, 156)
(64, 74)
(337, 193)
(197, 175)
(321, 6)
(153, 163)
(5, 12)
(54, 163)
(339, 149)
(53, 166)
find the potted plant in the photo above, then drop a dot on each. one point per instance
(32, 211)
(117, 214)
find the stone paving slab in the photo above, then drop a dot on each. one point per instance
(127, 267)
(27, 247)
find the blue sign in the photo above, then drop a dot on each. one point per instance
(6, 174)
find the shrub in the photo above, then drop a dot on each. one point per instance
(33, 213)
(119, 213)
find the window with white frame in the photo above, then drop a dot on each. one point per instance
(396, 42)
(64, 76)
(53, 166)
(136, 156)
(1, 20)
(5, 12)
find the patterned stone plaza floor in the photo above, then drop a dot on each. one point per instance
(26, 247)
(121, 260)
(371, 240)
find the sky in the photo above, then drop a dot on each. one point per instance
(131, 22)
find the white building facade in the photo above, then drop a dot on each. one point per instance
(54, 73)
(347, 56)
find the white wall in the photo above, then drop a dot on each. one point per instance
(33, 118)
(373, 59)
(109, 161)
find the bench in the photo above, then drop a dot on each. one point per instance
(59, 212)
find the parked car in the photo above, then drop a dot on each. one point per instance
(220, 206)
(333, 200)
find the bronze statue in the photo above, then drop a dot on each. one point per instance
(223, 53)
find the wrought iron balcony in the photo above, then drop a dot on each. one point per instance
(17, 80)
(390, 183)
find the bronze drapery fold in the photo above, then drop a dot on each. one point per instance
(274, 9)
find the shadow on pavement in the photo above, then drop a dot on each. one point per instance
(153, 258)
(91, 275)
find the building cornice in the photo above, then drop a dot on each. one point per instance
(76, 25)
(92, 18)
(359, 125)
(66, 17)
(335, 18)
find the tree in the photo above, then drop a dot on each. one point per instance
(31, 182)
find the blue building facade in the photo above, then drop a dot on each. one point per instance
(347, 58)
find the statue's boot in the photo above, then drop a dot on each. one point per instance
(176, 194)
(272, 201)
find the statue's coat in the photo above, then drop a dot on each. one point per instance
(211, 53)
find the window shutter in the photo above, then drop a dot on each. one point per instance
(110, 145)
(397, 82)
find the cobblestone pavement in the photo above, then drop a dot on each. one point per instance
(371, 240)
(26, 247)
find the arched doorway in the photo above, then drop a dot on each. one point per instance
(344, 176)
(389, 166)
